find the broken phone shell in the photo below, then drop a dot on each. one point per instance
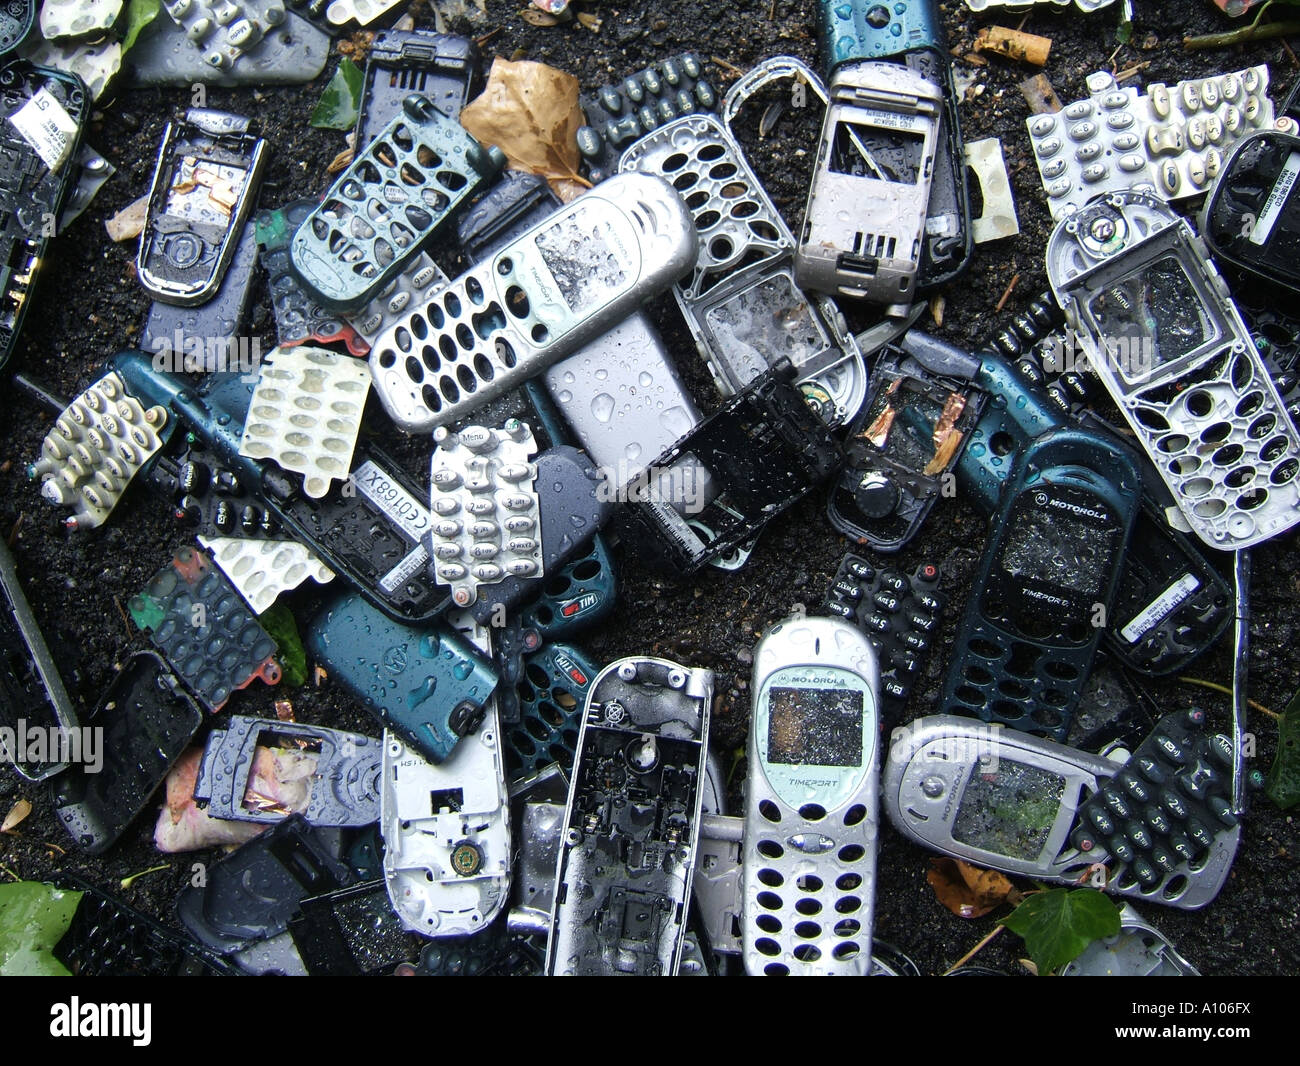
(1137, 950)
(446, 827)
(896, 469)
(568, 280)
(763, 450)
(863, 236)
(1154, 319)
(912, 34)
(1047, 583)
(438, 66)
(367, 529)
(633, 355)
(31, 686)
(810, 801)
(33, 197)
(985, 796)
(388, 204)
(146, 719)
(425, 684)
(186, 245)
(344, 782)
(623, 883)
(741, 302)
(1252, 217)
(251, 893)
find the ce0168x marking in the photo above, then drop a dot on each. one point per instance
(565, 282)
(1154, 319)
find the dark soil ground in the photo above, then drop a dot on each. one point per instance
(90, 305)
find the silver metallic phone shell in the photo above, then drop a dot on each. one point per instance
(435, 819)
(632, 822)
(565, 282)
(863, 236)
(809, 874)
(741, 302)
(929, 767)
(1211, 419)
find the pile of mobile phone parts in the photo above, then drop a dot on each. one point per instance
(439, 67)
(1171, 142)
(617, 115)
(299, 317)
(1148, 309)
(764, 450)
(204, 629)
(388, 203)
(566, 281)
(899, 614)
(741, 302)
(305, 414)
(340, 772)
(95, 448)
(633, 818)
(206, 179)
(147, 719)
(40, 130)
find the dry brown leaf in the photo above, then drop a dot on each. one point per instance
(530, 111)
(966, 890)
(17, 813)
(129, 222)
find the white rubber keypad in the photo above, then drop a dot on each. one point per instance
(1171, 141)
(94, 450)
(305, 414)
(262, 569)
(486, 517)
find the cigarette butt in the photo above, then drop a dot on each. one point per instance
(1014, 44)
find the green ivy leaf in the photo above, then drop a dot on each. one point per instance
(1058, 924)
(338, 104)
(32, 919)
(139, 13)
(1283, 784)
(279, 622)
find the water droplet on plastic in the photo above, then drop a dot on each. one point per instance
(645, 379)
(603, 406)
